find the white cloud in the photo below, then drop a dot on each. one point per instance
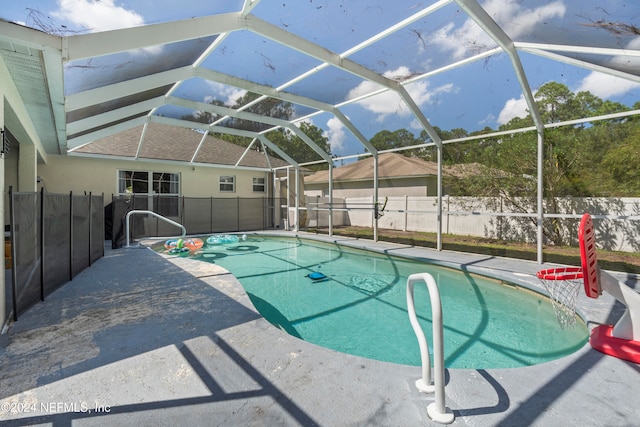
(488, 121)
(514, 19)
(416, 125)
(227, 94)
(518, 21)
(513, 108)
(336, 135)
(389, 102)
(601, 85)
(97, 15)
(605, 85)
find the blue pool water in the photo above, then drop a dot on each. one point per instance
(361, 308)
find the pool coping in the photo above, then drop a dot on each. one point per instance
(235, 368)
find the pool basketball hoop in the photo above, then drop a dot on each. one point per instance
(563, 285)
(621, 340)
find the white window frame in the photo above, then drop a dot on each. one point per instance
(227, 180)
(257, 184)
(153, 183)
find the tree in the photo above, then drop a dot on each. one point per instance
(298, 149)
(504, 170)
(284, 139)
(620, 171)
(557, 103)
(205, 116)
(387, 140)
(269, 107)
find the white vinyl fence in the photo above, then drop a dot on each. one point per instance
(617, 220)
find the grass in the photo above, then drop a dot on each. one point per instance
(628, 262)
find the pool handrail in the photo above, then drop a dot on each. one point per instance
(145, 212)
(437, 410)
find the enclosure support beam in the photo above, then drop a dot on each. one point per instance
(439, 209)
(375, 197)
(486, 22)
(288, 196)
(540, 196)
(330, 198)
(296, 216)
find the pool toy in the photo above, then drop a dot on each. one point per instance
(193, 244)
(621, 340)
(173, 244)
(219, 239)
(176, 251)
(176, 246)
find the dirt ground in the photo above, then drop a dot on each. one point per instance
(628, 262)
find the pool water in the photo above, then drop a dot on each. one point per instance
(360, 308)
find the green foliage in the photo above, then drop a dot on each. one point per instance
(578, 160)
(582, 160)
(284, 139)
(620, 167)
(586, 159)
(298, 149)
(387, 140)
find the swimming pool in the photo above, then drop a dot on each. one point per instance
(360, 308)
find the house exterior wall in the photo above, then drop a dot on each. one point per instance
(387, 187)
(62, 174)
(11, 104)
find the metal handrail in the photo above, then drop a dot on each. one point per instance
(143, 212)
(437, 410)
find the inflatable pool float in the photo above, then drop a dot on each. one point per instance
(219, 239)
(176, 251)
(176, 246)
(173, 243)
(193, 244)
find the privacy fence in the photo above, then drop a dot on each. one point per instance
(198, 215)
(52, 238)
(617, 220)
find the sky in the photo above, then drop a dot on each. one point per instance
(478, 94)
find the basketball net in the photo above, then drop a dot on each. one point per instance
(563, 285)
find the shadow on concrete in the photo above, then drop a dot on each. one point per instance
(266, 388)
(502, 405)
(128, 303)
(529, 410)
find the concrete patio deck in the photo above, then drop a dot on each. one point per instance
(140, 339)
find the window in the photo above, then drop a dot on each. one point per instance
(258, 185)
(228, 184)
(164, 185)
(131, 182)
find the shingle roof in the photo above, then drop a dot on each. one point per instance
(164, 142)
(390, 165)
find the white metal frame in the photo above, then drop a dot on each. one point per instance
(60, 50)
